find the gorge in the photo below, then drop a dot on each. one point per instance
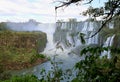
(63, 42)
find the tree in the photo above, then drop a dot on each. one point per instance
(115, 30)
(3, 26)
(111, 10)
(94, 68)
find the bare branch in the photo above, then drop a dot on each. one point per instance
(89, 2)
(64, 4)
(114, 10)
(109, 16)
(100, 28)
(67, 3)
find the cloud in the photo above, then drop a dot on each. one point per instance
(41, 10)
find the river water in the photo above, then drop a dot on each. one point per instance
(63, 44)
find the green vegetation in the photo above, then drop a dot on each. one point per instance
(108, 32)
(17, 49)
(26, 78)
(3, 26)
(3, 74)
(93, 68)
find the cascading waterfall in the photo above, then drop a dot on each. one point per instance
(107, 43)
(63, 41)
(69, 33)
(89, 29)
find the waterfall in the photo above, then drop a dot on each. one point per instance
(111, 25)
(67, 32)
(49, 30)
(107, 43)
(89, 29)
(63, 42)
(57, 37)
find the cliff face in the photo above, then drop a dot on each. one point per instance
(25, 40)
(22, 38)
(20, 47)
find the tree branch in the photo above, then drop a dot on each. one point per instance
(90, 1)
(113, 11)
(67, 3)
(108, 17)
(100, 28)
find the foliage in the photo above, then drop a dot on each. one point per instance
(96, 68)
(25, 78)
(112, 7)
(3, 26)
(3, 74)
(94, 12)
(20, 48)
(109, 11)
(82, 36)
(36, 56)
(107, 32)
(56, 74)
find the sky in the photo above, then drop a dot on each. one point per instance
(39, 10)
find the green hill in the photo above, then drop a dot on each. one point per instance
(21, 49)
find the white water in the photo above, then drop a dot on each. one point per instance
(51, 50)
(107, 43)
(57, 36)
(63, 31)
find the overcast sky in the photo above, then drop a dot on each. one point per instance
(40, 10)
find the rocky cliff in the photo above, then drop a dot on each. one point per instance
(20, 47)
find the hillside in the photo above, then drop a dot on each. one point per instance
(20, 50)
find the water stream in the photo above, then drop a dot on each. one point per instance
(107, 43)
(62, 41)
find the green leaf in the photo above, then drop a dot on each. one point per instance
(81, 35)
(84, 51)
(75, 80)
